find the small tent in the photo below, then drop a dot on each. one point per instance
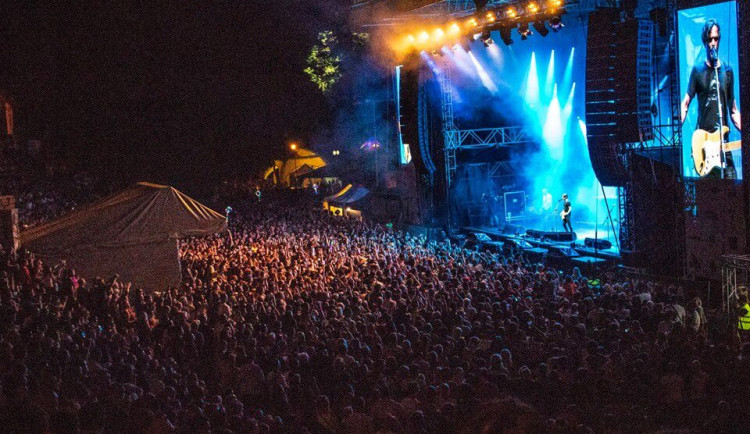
(285, 172)
(350, 200)
(133, 233)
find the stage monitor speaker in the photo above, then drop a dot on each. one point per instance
(509, 229)
(562, 252)
(593, 243)
(516, 245)
(561, 237)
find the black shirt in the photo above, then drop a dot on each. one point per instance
(703, 83)
(566, 206)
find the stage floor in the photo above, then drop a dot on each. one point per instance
(582, 233)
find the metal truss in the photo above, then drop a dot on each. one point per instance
(449, 126)
(734, 273)
(448, 9)
(627, 217)
(494, 170)
(483, 138)
(667, 139)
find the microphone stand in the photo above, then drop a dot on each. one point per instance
(721, 119)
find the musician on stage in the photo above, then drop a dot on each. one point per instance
(565, 214)
(703, 84)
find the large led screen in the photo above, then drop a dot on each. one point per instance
(710, 113)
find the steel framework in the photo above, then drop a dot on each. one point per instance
(665, 140)
(481, 138)
(735, 270)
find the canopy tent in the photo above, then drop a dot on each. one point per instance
(285, 171)
(349, 200)
(133, 233)
(323, 173)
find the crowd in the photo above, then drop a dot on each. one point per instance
(41, 194)
(298, 321)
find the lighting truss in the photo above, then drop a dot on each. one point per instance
(496, 15)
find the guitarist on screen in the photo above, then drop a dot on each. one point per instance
(702, 83)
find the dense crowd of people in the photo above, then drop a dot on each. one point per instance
(298, 321)
(42, 193)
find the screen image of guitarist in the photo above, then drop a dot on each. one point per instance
(712, 84)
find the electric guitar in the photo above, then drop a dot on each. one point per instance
(707, 150)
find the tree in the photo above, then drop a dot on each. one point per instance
(323, 64)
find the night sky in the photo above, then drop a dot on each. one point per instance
(179, 92)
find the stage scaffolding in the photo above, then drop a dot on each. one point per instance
(662, 141)
(735, 274)
(481, 138)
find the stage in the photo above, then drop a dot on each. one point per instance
(551, 244)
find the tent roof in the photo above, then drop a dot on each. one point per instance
(141, 213)
(321, 172)
(133, 233)
(349, 194)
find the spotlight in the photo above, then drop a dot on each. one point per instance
(490, 17)
(472, 22)
(466, 44)
(511, 12)
(505, 35)
(532, 7)
(541, 28)
(555, 3)
(454, 28)
(424, 37)
(556, 23)
(439, 33)
(524, 31)
(411, 40)
(486, 38)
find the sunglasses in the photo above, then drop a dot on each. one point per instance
(715, 38)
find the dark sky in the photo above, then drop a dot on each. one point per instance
(168, 91)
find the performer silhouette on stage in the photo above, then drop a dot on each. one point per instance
(565, 214)
(703, 84)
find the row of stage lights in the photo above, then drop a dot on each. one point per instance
(504, 19)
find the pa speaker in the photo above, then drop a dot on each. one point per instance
(562, 252)
(552, 236)
(593, 243)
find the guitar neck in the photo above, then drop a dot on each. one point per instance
(732, 146)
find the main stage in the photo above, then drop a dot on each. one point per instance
(541, 245)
